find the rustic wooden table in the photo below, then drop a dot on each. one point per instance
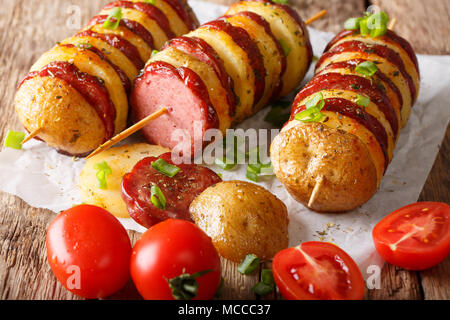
(28, 28)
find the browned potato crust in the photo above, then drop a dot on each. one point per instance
(305, 154)
(242, 218)
(69, 121)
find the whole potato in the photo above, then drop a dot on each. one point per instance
(242, 218)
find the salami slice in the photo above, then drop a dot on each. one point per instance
(179, 190)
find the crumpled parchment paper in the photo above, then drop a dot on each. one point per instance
(46, 179)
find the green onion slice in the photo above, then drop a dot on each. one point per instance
(314, 101)
(113, 20)
(281, 1)
(150, 1)
(362, 101)
(310, 115)
(83, 45)
(14, 139)
(352, 23)
(162, 166)
(157, 197)
(103, 171)
(366, 68)
(267, 277)
(286, 48)
(225, 163)
(363, 29)
(249, 264)
(153, 53)
(262, 289)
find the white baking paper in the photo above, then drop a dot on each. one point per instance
(46, 179)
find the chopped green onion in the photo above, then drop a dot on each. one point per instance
(225, 163)
(314, 101)
(281, 1)
(267, 169)
(162, 166)
(366, 68)
(362, 101)
(157, 197)
(378, 32)
(286, 48)
(153, 53)
(261, 289)
(267, 276)
(150, 1)
(249, 264)
(103, 171)
(83, 45)
(255, 168)
(113, 20)
(14, 139)
(310, 115)
(250, 175)
(266, 285)
(352, 23)
(363, 29)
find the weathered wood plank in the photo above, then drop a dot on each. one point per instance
(37, 25)
(424, 23)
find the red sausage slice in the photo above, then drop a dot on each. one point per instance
(202, 51)
(179, 191)
(190, 111)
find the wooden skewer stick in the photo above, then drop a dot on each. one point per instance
(128, 132)
(315, 192)
(392, 24)
(315, 17)
(32, 135)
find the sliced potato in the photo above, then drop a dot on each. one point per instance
(87, 61)
(237, 65)
(114, 55)
(269, 50)
(159, 36)
(286, 30)
(242, 218)
(389, 69)
(177, 25)
(121, 160)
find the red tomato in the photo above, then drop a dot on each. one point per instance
(89, 251)
(416, 236)
(317, 271)
(169, 249)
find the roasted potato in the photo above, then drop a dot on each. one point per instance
(242, 218)
(337, 162)
(121, 160)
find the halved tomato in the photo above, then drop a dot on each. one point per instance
(317, 271)
(414, 237)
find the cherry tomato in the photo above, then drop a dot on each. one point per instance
(414, 237)
(317, 271)
(89, 251)
(175, 251)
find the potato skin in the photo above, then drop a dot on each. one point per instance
(306, 153)
(70, 123)
(121, 160)
(242, 218)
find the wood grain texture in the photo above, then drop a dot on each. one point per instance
(427, 21)
(30, 27)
